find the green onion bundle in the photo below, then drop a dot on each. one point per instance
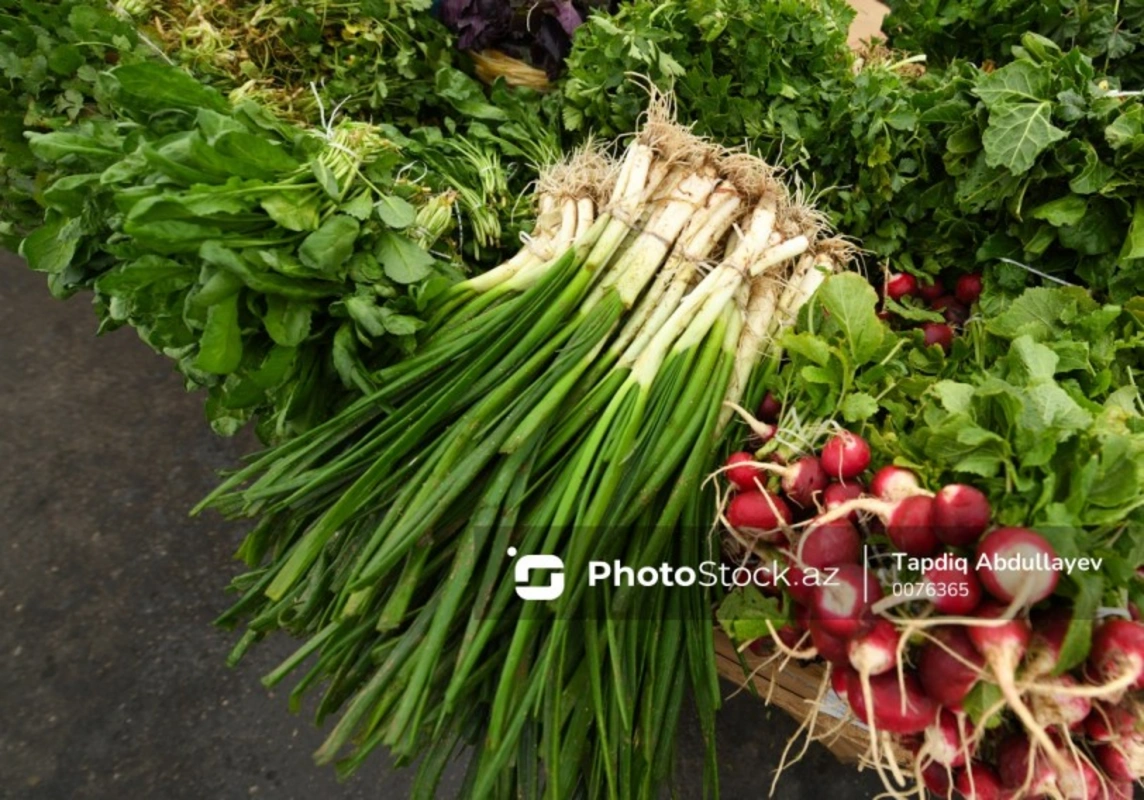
(566, 403)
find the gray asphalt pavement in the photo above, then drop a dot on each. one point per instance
(112, 680)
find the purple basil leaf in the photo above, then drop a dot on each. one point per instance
(567, 15)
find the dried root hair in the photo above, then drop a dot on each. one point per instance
(586, 172)
(750, 175)
(673, 142)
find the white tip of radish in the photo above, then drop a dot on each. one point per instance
(1017, 564)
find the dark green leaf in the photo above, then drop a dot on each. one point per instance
(220, 348)
(402, 259)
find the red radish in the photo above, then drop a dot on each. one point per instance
(938, 333)
(945, 739)
(894, 483)
(876, 650)
(1118, 653)
(804, 480)
(845, 456)
(790, 636)
(739, 471)
(960, 514)
(765, 576)
(829, 545)
(836, 494)
(760, 514)
(832, 648)
(1049, 630)
(1006, 641)
(839, 677)
(1122, 760)
(931, 291)
(901, 284)
(954, 311)
(968, 288)
(770, 409)
(1059, 710)
(1013, 762)
(980, 781)
(937, 779)
(1020, 565)
(1003, 646)
(799, 586)
(910, 526)
(892, 711)
(1120, 790)
(1109, 722)
(955, 592)
(908, 521)
(841, 606)
(949, 667)
(1080, 781)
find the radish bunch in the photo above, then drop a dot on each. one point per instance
(953, 306)
(928, 625)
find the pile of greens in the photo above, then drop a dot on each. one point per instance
(986, 30)
(51, 55)
(392, 62)
(259, 256)
(1035, 162)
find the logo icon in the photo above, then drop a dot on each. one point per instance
(522, 573)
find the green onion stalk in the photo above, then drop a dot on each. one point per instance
(567, 403)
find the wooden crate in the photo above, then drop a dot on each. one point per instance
(793, 688)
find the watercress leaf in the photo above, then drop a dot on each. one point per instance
(328, 248)
(220, 347)
(287, 321)
(396, 212)
(1018, 133)
(403, 261)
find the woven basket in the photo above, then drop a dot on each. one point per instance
(493, 64)
(792, 687)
